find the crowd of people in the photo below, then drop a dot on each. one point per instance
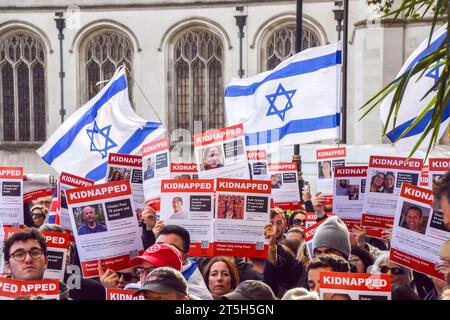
(165, 271)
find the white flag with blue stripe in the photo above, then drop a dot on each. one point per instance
(297, 102)
(107, 123)
(412, 104)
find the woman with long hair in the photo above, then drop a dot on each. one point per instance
(376, 184)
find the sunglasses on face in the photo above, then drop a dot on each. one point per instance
(143, 272)
(38, 215)
(299, 221)
(128, 277)
(394, 270)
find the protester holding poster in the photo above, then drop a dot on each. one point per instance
(11, 195)
(128, 167)
(418, 232)
(242, 234)
(31, 266)
(155, 167)
(190, 204)
(69, 181)
(385, 176)
(327, 161)
(13, 289)
(348, 193)
(437, 168)
(106, 224)
(284, 183)
(57, 251)
(183, 171)
(258, 165)
(347, 286)
(221, 153)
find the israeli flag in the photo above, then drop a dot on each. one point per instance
(297, 102)
(105, 124)
(412, 104)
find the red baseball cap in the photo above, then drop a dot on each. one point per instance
(160, 255)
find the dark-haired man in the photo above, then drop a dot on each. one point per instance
(25, 254)
(324, 262)
(278, 221)
(179, 237)
(414, 219)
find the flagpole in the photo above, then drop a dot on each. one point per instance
(344, 75)
(60, 25)
(298, 47)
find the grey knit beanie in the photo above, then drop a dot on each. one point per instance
(333, 233)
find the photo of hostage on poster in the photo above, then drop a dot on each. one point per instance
(284, 185)
(221, 153)
(327, 161)
(348, 193)
(437, 168)
(190, 204)
(11, 195)
(418, 232)
(68, 181)
(155, 167)
(354, 286)
(385, 176)
(105, 226)
(183, 171)
(242, 210)
(128, 167)
(258, 165)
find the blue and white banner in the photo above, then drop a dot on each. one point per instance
(107, 123)
(297, 102)
(412, 104)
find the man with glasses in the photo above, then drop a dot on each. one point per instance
(25, 254)
(179, 237)
(157, 255)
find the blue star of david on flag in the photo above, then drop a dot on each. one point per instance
(434, 74)
(102, 135)
(272, 98)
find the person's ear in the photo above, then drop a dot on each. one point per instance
(46, 262)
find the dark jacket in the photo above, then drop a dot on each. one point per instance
(84, 289)
(287, 274)
(309, 207)
(246, 271)
(148, 237)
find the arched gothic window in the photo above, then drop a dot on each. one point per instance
(280, 44)
(197, 82)
(22, 88)
(101, 54)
